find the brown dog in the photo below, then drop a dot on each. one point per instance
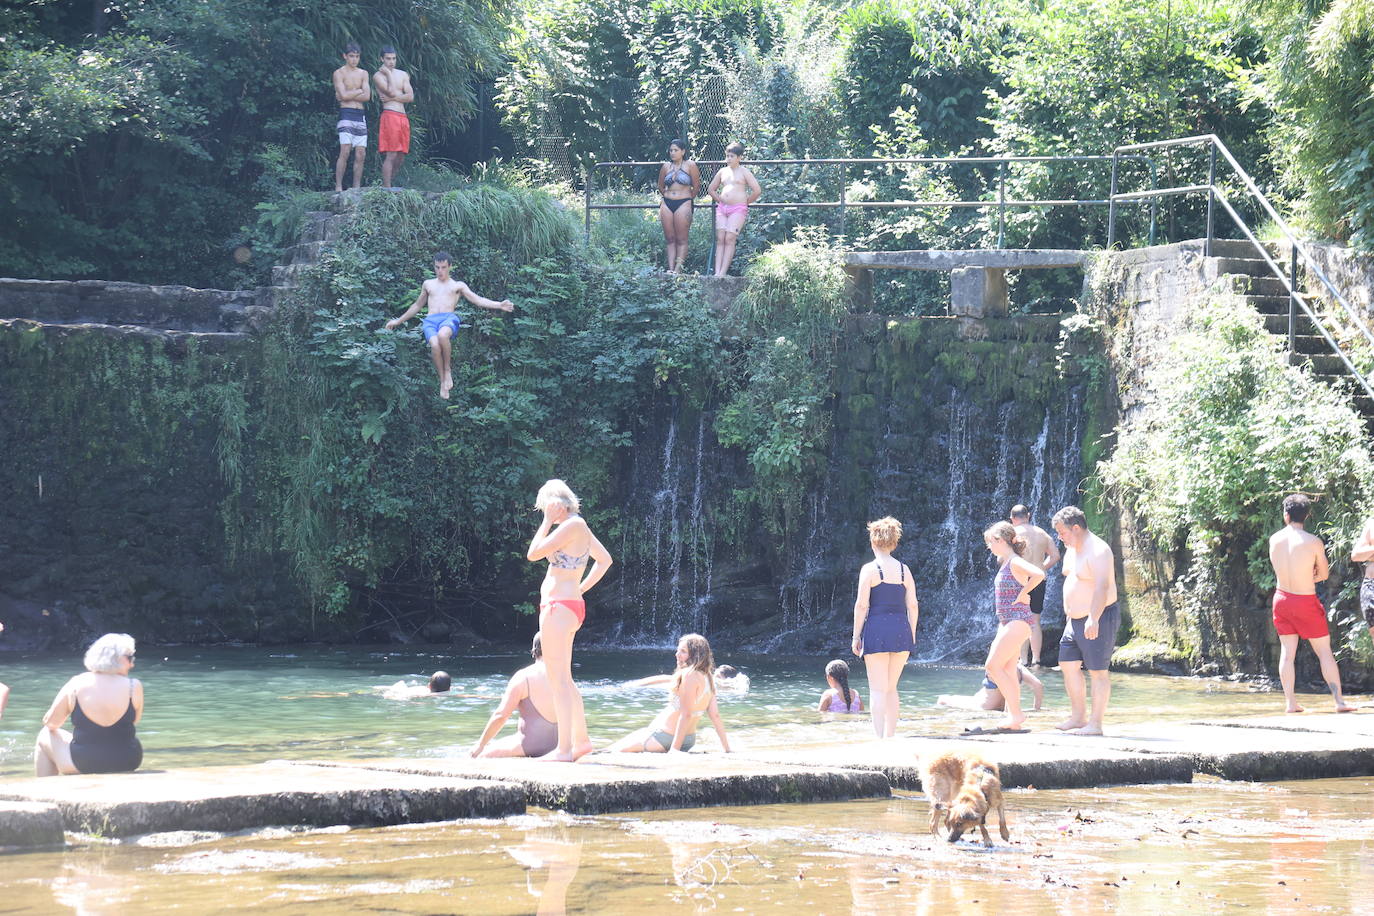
(963, 789)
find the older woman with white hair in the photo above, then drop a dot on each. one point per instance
(104, 704)
(567, 543)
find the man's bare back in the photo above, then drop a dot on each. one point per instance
(1040, 548)
(1299, 560)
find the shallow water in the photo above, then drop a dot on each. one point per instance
(1292, 847)
(225, 706)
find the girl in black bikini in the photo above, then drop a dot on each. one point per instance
(679, 182)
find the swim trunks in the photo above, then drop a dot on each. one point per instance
(731, 217)
(576, 605)
(352, 127)
(1299, 615)
(433, 324)
(393, 133)
(1367, 601)
(1037, 598)
(1095, 654)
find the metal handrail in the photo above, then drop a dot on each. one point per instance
(1001, 203)
(1217, 194)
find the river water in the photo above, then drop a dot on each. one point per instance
(1207, 846)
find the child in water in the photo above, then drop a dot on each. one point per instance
(839, 698)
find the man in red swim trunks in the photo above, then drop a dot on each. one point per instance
(394, 91)
(1299, 561)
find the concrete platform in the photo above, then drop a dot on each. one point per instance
(29, 825)
(1024, 760)
(604, 783)
(270, 794)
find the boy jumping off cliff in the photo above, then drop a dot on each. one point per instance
(442, 322)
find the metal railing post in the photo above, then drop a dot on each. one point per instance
(843, 182)
(1154, 201)
(1001, 204)
(587, 210)
(1211, 199)
(1292, 300)
(1111, 206)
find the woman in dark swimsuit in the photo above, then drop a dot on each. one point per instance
(104, 705)
(885, 616)
(529, 693)
(679, 182)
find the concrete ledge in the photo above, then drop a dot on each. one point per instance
(642, 782)
(938, 259)
(243, 798)
(30, 825)
(176, 342)
(1023, 759)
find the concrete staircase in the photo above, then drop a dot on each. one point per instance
(1238, 265)
(215, 320)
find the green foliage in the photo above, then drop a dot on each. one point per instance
(780, 413)
(383, 487)
(1233, 430)
(1319, 83)
(139, 151)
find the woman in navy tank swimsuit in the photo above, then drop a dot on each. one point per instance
(104, 705)
(885, 614)
(1011, 587)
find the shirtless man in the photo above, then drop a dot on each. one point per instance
(733, 189)
(1299, 561)
(1041, 551)
(1092, 618)
(351, 89)
(1364, 553)
(393, 140)
(441, 295)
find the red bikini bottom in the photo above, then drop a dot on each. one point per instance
(576, 605)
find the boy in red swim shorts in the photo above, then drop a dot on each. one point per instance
(394, 91)
(1299, 561)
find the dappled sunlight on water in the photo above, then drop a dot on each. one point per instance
(230, 706)
(1206, 847)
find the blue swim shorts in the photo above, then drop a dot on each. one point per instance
(1095, 654)
(433, 324)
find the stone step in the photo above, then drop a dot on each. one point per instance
(30, 825)
(178, 341)
(1245, 267)
(1235, 248)
(1310, 344)
(226, 799)
(1324, 363)
(305, 252)
(1260, 287)
(289, 274)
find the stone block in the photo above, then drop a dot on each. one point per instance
(30, 825)
(978, 292)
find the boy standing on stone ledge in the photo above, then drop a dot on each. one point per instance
(1299, 561)
(351, 90)
(441, 295)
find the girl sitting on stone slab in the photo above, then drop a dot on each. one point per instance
(104, 705)
(693, 693)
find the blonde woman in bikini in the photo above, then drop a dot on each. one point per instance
(679, 182)
(733, 189)
(693, 695)
(567, 543)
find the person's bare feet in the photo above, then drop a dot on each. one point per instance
(582, 750)
(1070, 724)
(1086, 730)
(445, 387)
(1345, 707)
(1295, 708)
(557, 757)
(1010, 723)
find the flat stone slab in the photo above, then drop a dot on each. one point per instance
(938, 259)
(29, 825)
(1024, 760)
(604, 783)
(230, 798)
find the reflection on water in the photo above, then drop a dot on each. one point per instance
(232, 706)
(1206, 847)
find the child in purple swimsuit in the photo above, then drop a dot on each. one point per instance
(839, 698)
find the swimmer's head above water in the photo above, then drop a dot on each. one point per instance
(440, 682)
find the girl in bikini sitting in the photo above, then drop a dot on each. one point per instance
(679, 182)
(693, 693)
(567, 543)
